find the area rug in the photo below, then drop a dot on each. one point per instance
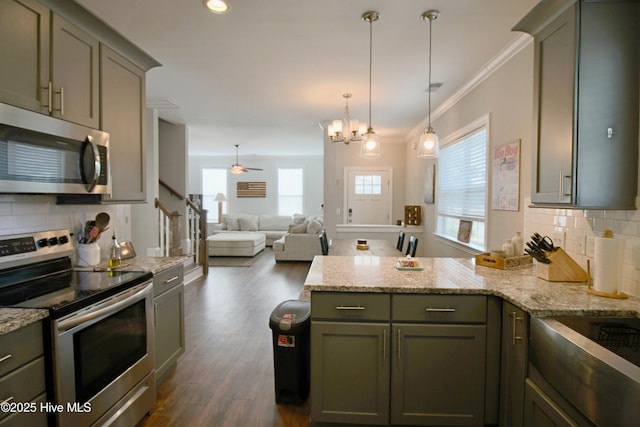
(232, 261)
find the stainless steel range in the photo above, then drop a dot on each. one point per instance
(100, 329)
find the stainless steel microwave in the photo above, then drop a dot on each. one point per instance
(44, 155)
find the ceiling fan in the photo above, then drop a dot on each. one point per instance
(237, 168)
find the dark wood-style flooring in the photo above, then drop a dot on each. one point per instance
(225, 377)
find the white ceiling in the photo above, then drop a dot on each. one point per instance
(268, 72)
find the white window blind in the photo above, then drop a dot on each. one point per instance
(462, 185)
(290, 191)
(214, 181)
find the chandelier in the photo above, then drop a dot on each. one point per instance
(428, 145)
(346, 130)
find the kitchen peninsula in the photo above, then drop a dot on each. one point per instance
(519, 286)
(442, 345)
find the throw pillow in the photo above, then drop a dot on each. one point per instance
(314, 227)
(298, 218)
(248, 224)
(231, 223)
(298, 229)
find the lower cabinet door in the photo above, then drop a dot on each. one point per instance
(350, 372)
(169, 327)
(438, 374)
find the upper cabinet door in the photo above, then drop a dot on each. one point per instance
(608, 106)
(24, 49)
(586, 104)
(122, 111)
(74, 73)
(554, 88)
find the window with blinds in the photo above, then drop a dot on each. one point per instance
(462, 188)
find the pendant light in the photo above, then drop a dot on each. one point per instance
(370, 145)
(428, 146)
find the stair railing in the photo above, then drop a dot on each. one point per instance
(195, 233)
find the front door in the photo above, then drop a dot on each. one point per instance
(368, 196)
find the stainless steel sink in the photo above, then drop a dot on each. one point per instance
(592, 362)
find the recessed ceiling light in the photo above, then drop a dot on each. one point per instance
(216, 6)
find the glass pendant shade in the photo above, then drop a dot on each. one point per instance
(428, 146)
(370, 145)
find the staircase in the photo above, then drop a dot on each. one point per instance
(171, 240)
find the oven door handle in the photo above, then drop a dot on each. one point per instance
(122, 302)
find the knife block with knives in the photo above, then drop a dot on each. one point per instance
(561, 268)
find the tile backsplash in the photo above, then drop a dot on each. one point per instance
(28, 213)
(580, 227)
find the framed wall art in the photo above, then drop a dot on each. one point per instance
(505, 163)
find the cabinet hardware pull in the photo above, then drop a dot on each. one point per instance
(384, 344)
(440, 310)
(49, 90)
(61, 92)
(7, 400)
(349, 307)
(174, 278)
(399, 342)
(4, 358)
(562, 194)
(514, 319)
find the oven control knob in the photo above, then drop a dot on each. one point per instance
(63, 240)
(42, 243)
(53, 241)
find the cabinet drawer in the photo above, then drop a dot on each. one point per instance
(439, 308)
(23, 384)
(20, 346)
(353, 306)
(167, 279)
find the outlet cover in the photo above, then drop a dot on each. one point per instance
(558, 238)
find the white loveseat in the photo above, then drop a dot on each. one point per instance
(302, 242)
(272, 226)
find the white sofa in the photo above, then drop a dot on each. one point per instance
(272, 226)
(302, 242)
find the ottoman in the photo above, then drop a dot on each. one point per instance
(235, 244)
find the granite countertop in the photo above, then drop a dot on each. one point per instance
(152, 264)
(519, 286)
(16, 318)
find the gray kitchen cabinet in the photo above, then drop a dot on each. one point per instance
(21, 357)
(586, 102)
(540, 410)
(54, 64)
(400, 359)
(122, 104)
(168, 303)
(513, 372)
(350, 353)
(24, 43)
(438, 360)
(74, 74)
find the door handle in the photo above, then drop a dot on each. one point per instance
(514, 319)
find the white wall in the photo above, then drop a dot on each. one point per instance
(507, 97)
(312, 176)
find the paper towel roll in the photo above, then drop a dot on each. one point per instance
(608, 259)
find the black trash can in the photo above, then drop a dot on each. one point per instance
(291, 324)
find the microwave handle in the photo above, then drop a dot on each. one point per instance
(95, 157)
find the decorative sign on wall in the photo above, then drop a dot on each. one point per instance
(252, 189)
(506, 176)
